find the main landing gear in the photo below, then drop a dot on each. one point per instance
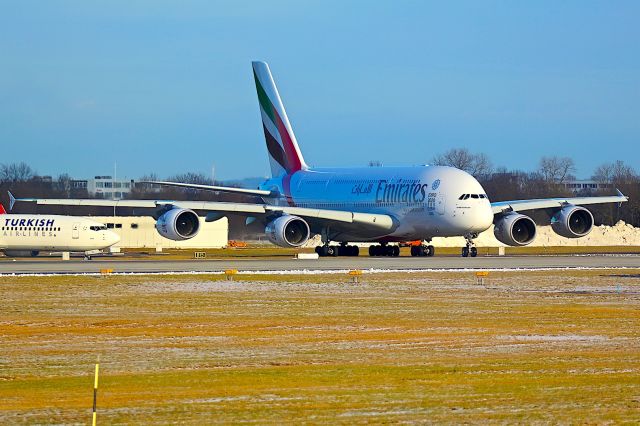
(342, 250)
(384, 250)
(470, 249)
(423, 251)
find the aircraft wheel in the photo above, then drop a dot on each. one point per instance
(332, 251)
(372, 251)
(465, 251)
(395, 251)
(355, 251)
(473, 252)
(414, 251)
(431, 251)
(324, 251)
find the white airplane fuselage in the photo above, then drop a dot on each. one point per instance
(425, 200)
(53, 232)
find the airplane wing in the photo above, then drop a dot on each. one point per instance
(260, 192)
(545, 203)
(377, 221)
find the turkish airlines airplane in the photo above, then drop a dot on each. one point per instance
(28, 234)
(371, 204)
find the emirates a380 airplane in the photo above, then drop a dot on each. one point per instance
(28, 234)
(373, 204)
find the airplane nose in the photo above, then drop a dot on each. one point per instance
(483, 218)
(488, 216)
(112, 237)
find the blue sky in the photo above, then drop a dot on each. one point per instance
(166, 86)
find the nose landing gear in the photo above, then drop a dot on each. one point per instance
(470, 249)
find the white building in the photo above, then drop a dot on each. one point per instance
(108, 187)
(586, 185)
(140, 232)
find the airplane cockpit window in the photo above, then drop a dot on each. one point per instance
(475, 196)
(98, 228)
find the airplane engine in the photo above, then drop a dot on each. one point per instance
(288, 231)
(515, 229)
(572, 222)
(178, 224)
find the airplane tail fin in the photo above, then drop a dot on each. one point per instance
(2, 210)
(284, 154)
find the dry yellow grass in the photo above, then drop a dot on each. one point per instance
(526, 347)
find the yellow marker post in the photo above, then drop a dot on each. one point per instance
(481, 276)
(354, 275)
(229, 273)
(95, 393)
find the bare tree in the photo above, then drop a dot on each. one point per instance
(603, 173)
(617, 173)
(477, 165)
(16, 172)
(63, 184)
(191, 177)
(556, 169)
(623, 173)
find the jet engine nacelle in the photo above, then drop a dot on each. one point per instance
(515, 229)
(572, 222)
(288, 231)
(178, 224)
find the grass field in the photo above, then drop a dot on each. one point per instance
(526, 347)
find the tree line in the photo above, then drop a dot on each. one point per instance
(547, 180)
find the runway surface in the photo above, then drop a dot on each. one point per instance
(58, 266)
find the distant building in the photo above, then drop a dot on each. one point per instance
(586, 186)
(107, 187)
(78, 184)
(44, 179)
(140, 232)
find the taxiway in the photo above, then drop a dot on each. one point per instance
(324, 264)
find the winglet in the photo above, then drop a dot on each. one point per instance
(12, 200)
(620, 194)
